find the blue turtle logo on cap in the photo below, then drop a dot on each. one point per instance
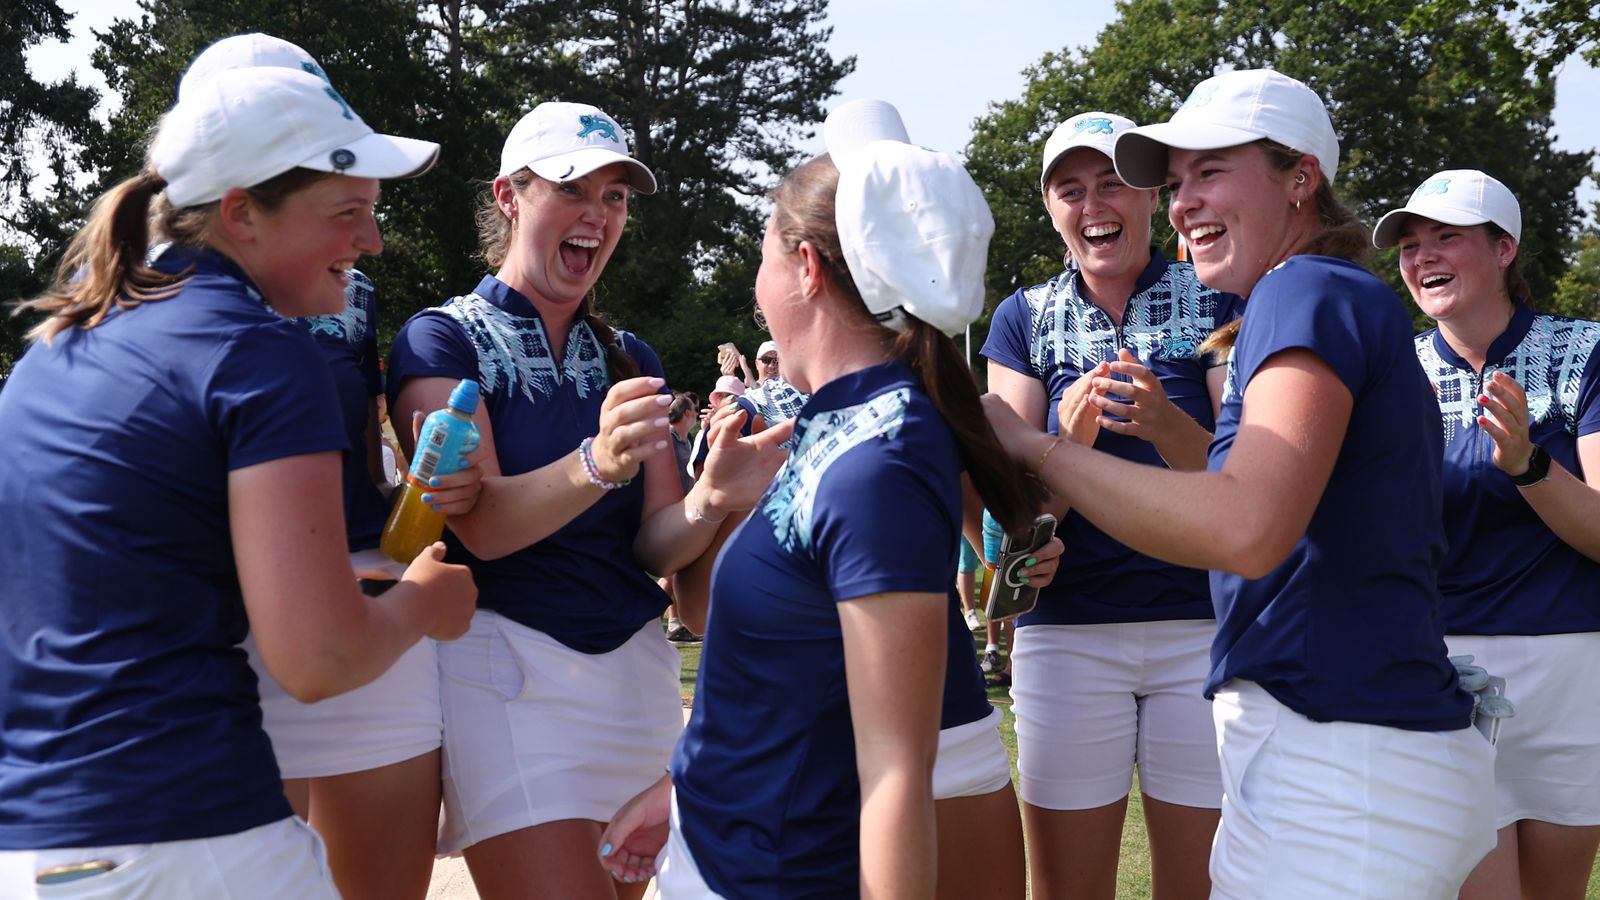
(1093, 125)
(592, 124)
(342, 159)
(1200, 96)
(339, 100)
(314, 69)
(1432, 186)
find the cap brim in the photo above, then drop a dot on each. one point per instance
(578, 163)
(1044, 175)
(378, 156)
(1140, 154)
(1387, 232)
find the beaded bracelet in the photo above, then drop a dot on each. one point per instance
(586, 456)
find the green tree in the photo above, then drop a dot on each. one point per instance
(708, 89)
(39, 122)
(1577, 294)
(1411, 89)
(718, 94)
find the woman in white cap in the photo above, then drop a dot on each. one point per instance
(176, 468)
(1520, 396)
(808, 765)
(777, 399)
(362, 768)
(562, 701)
(1107, 669)
(1348, 764)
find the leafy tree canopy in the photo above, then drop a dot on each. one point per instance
(1411, 89)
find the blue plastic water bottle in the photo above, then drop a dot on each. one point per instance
(447, 436)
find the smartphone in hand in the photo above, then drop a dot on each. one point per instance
(1009, 597)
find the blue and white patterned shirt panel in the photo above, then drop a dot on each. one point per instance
(1549, 363)
(353, 324)
(515, 352)
(777, 399)
(820, 441)
(1167, 322)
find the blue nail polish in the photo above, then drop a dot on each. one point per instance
(1030, 560)
(434, 481)
(629, 879)
(436, 507)
(1027, 579)
(605, 849)
(427, 498)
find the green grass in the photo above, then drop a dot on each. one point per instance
(1133, 870)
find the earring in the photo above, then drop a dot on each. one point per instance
(1297, 206)
(1300, 179)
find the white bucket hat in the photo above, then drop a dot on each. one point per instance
(1228, 110)
(913, 225)
(1454, 197)
(241, 127)
(246, 51)
(1096, 130)
(562, 141)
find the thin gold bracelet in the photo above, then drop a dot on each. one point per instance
(1039, 467)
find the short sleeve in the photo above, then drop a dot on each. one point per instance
(1300, 306)
(270, 395)
(430, 345)
(880, 526)
(1010, 340)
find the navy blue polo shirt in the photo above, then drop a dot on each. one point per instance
(349, 342)
(1506, 572)
(581, 585)
(128, 713)
(869, 502)
(1053, 333)
(1347, 627)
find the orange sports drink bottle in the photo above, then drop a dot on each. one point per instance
(447, 436)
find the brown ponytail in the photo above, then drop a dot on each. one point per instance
(619, 365)
(1516, 283)
(803, 210)
(104, 265)
(1343, 235)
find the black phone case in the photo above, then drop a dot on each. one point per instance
(1008, 596)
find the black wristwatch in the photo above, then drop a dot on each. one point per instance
(1538, 469)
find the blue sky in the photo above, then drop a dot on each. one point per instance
(940, 61)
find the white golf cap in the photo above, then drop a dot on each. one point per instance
(913, 225)
(1096, 130)
(246, 51)
(241, 127)
(766, 346)
(562, 141)
(1228, 110)
(1454, 197)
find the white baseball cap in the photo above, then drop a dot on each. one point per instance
(1228, 110)
(241, 127)
(1096, 130)
(247, 51)
(1454, 197)
(562, 141)
(913, 225)
(765, 346)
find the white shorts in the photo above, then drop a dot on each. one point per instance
(537, 732)
(393, 718)
(280, 859)
(1344, 809)
(972, 761)
(1547, 763)
(677, 876)
(1092, 700)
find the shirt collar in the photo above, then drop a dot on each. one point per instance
(1500, 348)
(506, 297)
(1153, 270)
